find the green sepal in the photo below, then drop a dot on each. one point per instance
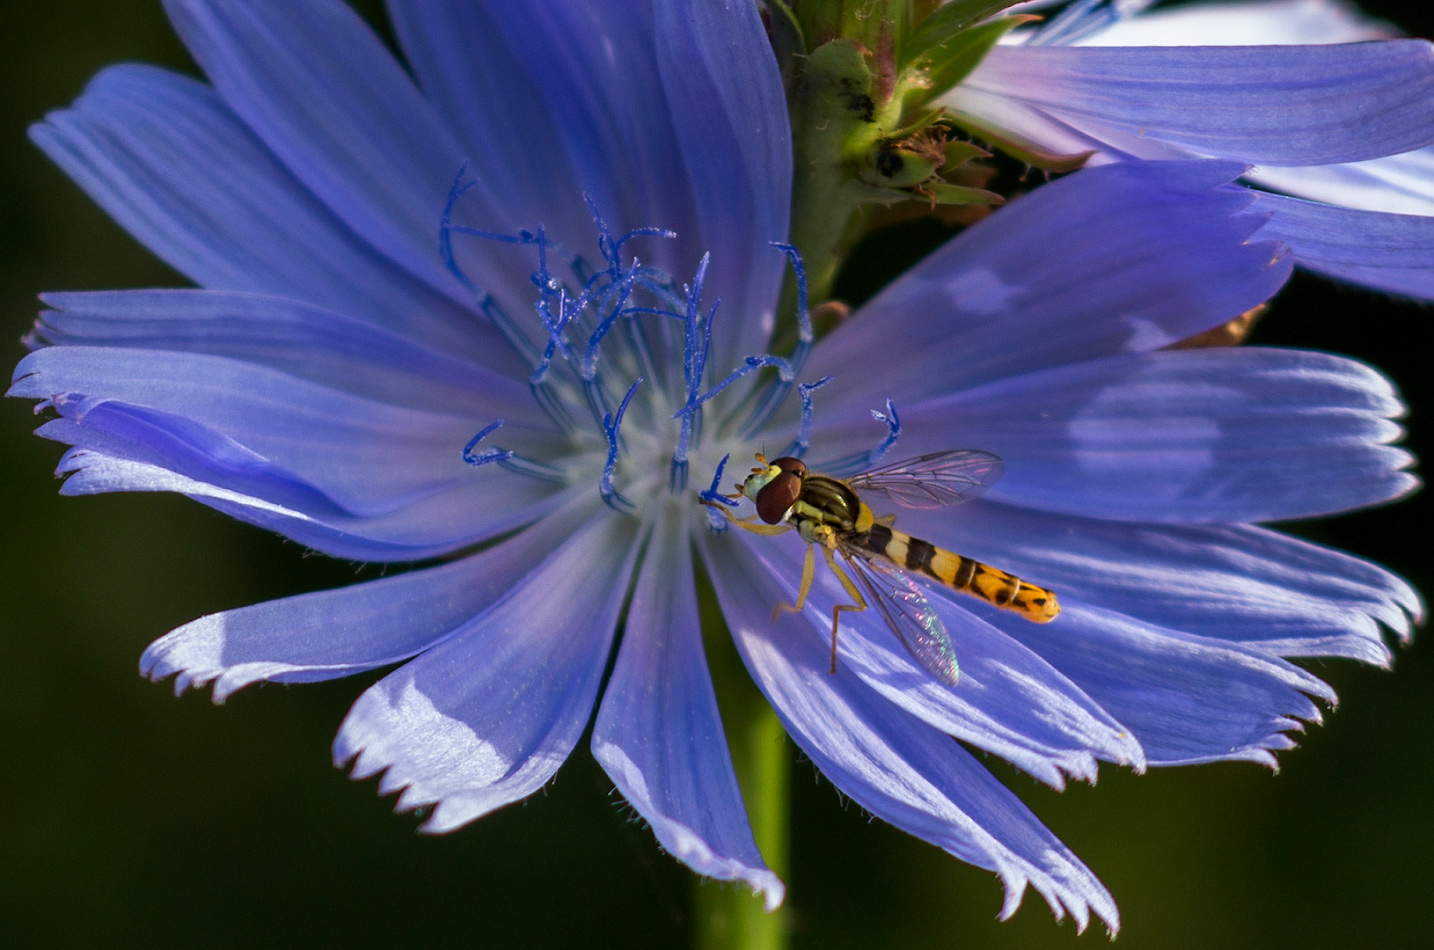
(893, 167)
(952, 62)
(944, 193)
(945, 23)
(1021, 150)
(909, 157)
(959, 153)
(934, 191)
(870, 194)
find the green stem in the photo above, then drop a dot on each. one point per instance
(730, 917)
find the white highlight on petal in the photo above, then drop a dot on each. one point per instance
(1145, 335)
(980, 291)
(449, 746)
(1396, 184)
(1273, 23)
(94, 473)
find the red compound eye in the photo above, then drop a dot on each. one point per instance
(794, 465)
(777, 496)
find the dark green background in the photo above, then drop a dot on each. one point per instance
(128, 816)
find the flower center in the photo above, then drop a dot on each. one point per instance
(620, 367)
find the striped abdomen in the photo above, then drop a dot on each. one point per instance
(959, 573)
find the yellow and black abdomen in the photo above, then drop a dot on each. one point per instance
(962, 574)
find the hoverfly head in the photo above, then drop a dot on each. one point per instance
(775, 488)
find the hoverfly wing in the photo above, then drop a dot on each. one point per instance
(934, 480)
(908, 613)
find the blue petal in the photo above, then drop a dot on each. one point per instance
(1187, 699)
(1123, 258)
(659, 734)
(286, 335)
(729, 108)
(651, 119)
(889, 763)
(325, 95)
(1215, 435)
(1262, 589)
(594, 65)
(487, 95)
(1390, 252)
(343, 474)
(334, 633)
(173, 165)
(1008, 701)
(440, 525)
(368, 456)
(487, 716)
(1275, 105)
(534, 157)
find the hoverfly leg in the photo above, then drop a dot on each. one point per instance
(809, 572)
(757, 527)
(750, 523)
(851, 591)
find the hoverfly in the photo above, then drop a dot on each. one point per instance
(829, 513)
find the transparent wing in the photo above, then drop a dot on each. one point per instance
(907, 612)
(933, 481)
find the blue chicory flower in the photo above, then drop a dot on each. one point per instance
(328, 380)
(1332, 114)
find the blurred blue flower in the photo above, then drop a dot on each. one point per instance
(1332, 113)
(326, 381)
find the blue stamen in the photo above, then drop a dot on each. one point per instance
(863, 461)
(893, 426)
(610, 423)
(750, 364)
(557, 343)
(519, 465)
(694, 362)
(802, 442)
(772, 399)
(623, 290)
(597, 400)
(637, 339)
(653, 311)
(522, 237)
(642, 232)
(719, 523)
(706, 346)
(611, 250)
(805, 335)
(509, 460)
(489, 307)
(445, 228)
(661, 285)
(491, 454)
(677, 476)
(578, 318)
